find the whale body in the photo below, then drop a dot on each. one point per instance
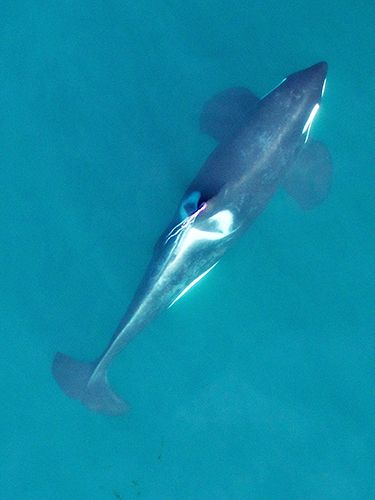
(263, 144)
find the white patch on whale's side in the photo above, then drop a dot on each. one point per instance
(324, 86)
(222, 226)
(309, 121)
(194, 282)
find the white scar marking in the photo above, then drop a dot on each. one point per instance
(185, 223)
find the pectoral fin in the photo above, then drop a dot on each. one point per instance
(309, 179)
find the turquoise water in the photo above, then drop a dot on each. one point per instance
(258, 384)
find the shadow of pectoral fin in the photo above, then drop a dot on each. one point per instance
(309, 179)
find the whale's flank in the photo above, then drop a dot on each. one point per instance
(78, 381)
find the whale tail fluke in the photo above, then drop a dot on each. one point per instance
(78, 381)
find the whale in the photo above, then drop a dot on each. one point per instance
(262, 145)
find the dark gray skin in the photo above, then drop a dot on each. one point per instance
(230, 191)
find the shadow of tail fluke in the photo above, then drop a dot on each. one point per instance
(78, 381)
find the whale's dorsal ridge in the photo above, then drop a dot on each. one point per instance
(226, 112)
